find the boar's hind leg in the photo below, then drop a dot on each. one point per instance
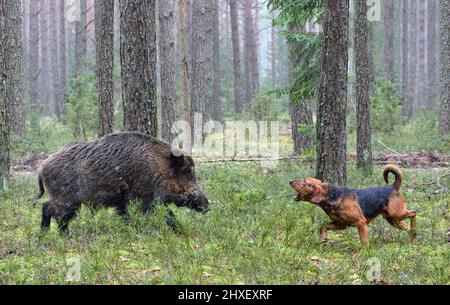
(48, 211)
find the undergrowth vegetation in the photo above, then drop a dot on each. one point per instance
(254, 234)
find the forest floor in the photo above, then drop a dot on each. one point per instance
(255, 234)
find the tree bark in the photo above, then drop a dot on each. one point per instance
(138, 61)
(405, 60)
(431, 55)
(255, 46)
(444, 114)
(54, 71)
(4, 109)
(45, 72)
(104, 31)
(202, 53)
(332, 99)
(184, 60)
(14, 67)
(421, 74)
(389, 39)
(62, 64)
(83, 29)
(34, 56)
(273, 52)
(238, 94)
(25, 40)
(167, 62)
(412, 57)
(364, 130)
(249, 37)
(216, 103)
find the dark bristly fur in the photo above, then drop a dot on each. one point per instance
(114, 170)
(358, 207)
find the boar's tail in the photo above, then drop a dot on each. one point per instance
(41, 188)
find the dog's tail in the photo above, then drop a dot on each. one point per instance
(41, 190)
(397, 173)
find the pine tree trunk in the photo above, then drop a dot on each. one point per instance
(25, 42)
(444, 114)
(62, 64)
(235, 37)
(54, 71)
(83, 29)
(184, 60)
(412, 57)
(273, 53)
(4, 119)
(254, 47)
(364, 130)
(216, 103)
(14, 67)
(431, 55)
(167, 61)
(202, 53)
(45, 72)
(389, 39)
(421, 76)
(104, 30)
(248, 46)
(332, 99)
(138, 54)
(405, 60)
(34, 56)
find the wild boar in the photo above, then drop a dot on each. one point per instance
(114, 170)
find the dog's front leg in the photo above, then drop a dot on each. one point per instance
(326, 227)
(363, 231)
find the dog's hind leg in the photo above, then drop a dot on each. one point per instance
(395, 212)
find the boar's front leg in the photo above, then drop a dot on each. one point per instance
(68, 214)
(148, 206)
(122, 211)
(172, 222)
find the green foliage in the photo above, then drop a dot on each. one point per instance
(255, 234)
(420, 133)
(268, 106)
(295, 12)
(42, 136)
(386, 112)
(82, 107)
(306, 67)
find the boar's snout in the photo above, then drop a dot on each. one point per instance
(199, 204)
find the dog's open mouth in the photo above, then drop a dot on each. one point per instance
(298, 198)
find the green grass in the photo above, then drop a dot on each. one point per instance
(255, 234)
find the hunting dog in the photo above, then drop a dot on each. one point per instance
(358, 207)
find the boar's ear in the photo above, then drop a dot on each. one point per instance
(176, 160)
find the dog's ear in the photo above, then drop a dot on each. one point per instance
(318, 195)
